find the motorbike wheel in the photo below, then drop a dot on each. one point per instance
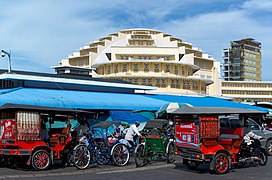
(269, 147)
(81, 157)
(70, 158)
(171, 153)
(140, 156)
(191, 164)
(40, 160)
(221, 164)
(120, 154)
(263, 158)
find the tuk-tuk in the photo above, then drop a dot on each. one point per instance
(157, 142)
(198, 139)
(21, 131)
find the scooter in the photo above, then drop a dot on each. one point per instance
(246, 155)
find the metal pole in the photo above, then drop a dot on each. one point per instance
(9, 60)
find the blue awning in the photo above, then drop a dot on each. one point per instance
(79, 99)
(205, 101)
(108, 101)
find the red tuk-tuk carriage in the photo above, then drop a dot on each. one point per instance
(20, 135)
(198, 139)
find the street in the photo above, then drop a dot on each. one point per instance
(157, 170)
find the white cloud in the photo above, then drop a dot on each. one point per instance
(46, 31)
(258, 5)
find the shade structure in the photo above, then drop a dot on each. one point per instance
(170, 107)
(205, 101)
(79, 99)
(189, 110)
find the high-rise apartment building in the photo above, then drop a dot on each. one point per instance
(242, 61)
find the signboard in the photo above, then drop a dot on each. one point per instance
(7, 129)
(187, 134)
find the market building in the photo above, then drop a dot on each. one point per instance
(149, 57)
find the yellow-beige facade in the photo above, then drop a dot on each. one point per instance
(248, 91)
(153, 58)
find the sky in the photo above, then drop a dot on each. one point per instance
(41, 33)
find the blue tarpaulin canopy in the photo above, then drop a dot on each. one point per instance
(79, 99)
(205, 101)
(107, 101)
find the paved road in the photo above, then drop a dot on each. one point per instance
(157, 170)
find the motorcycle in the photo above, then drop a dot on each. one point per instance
(246, 155)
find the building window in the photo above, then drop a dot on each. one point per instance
(182, 70)
(135, 80)
(161, 82)
(149, 81)
(115, 68)
(130, 80)
(146, 67)
(156, 68)
(186, 84)
(124, 67)
(108, 69)
(176, 69)
(167, 68)
(144, 81)
(203, 87)
(195, 85)
(135, 67)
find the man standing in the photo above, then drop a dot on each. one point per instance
(131, 132)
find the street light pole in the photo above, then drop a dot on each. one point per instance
(9, 60)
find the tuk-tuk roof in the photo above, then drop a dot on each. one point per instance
(10, 106)
(187, 110)
(156, 123)
(106, 124)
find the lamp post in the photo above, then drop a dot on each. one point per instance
(9, 61)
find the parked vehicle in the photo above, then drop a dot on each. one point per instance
(102, 146)
(198, 138)
(157, 142)
(20, 135)
(246, 155)
(233, 125)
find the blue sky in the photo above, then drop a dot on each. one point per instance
(41, 33)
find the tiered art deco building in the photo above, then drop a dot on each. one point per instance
(149, 57)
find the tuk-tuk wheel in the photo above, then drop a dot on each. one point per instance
(221, 163)
(140, 156)
(40, 160)
(191, 164)
(171, 153)
(120, 154)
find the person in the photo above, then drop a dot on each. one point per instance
(131, 132)
(82, 129)
(44, 134)
(251, 139)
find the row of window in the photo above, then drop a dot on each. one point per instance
(247, 92)
(203, 64)
(144, 57)
(162, 83)
(250, 74)
(250, 62)
(135, 42)
(225, 84)
(79, 62)
(147, 67)
(250, 55)
(250, 68)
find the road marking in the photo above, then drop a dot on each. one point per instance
(138, 169)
